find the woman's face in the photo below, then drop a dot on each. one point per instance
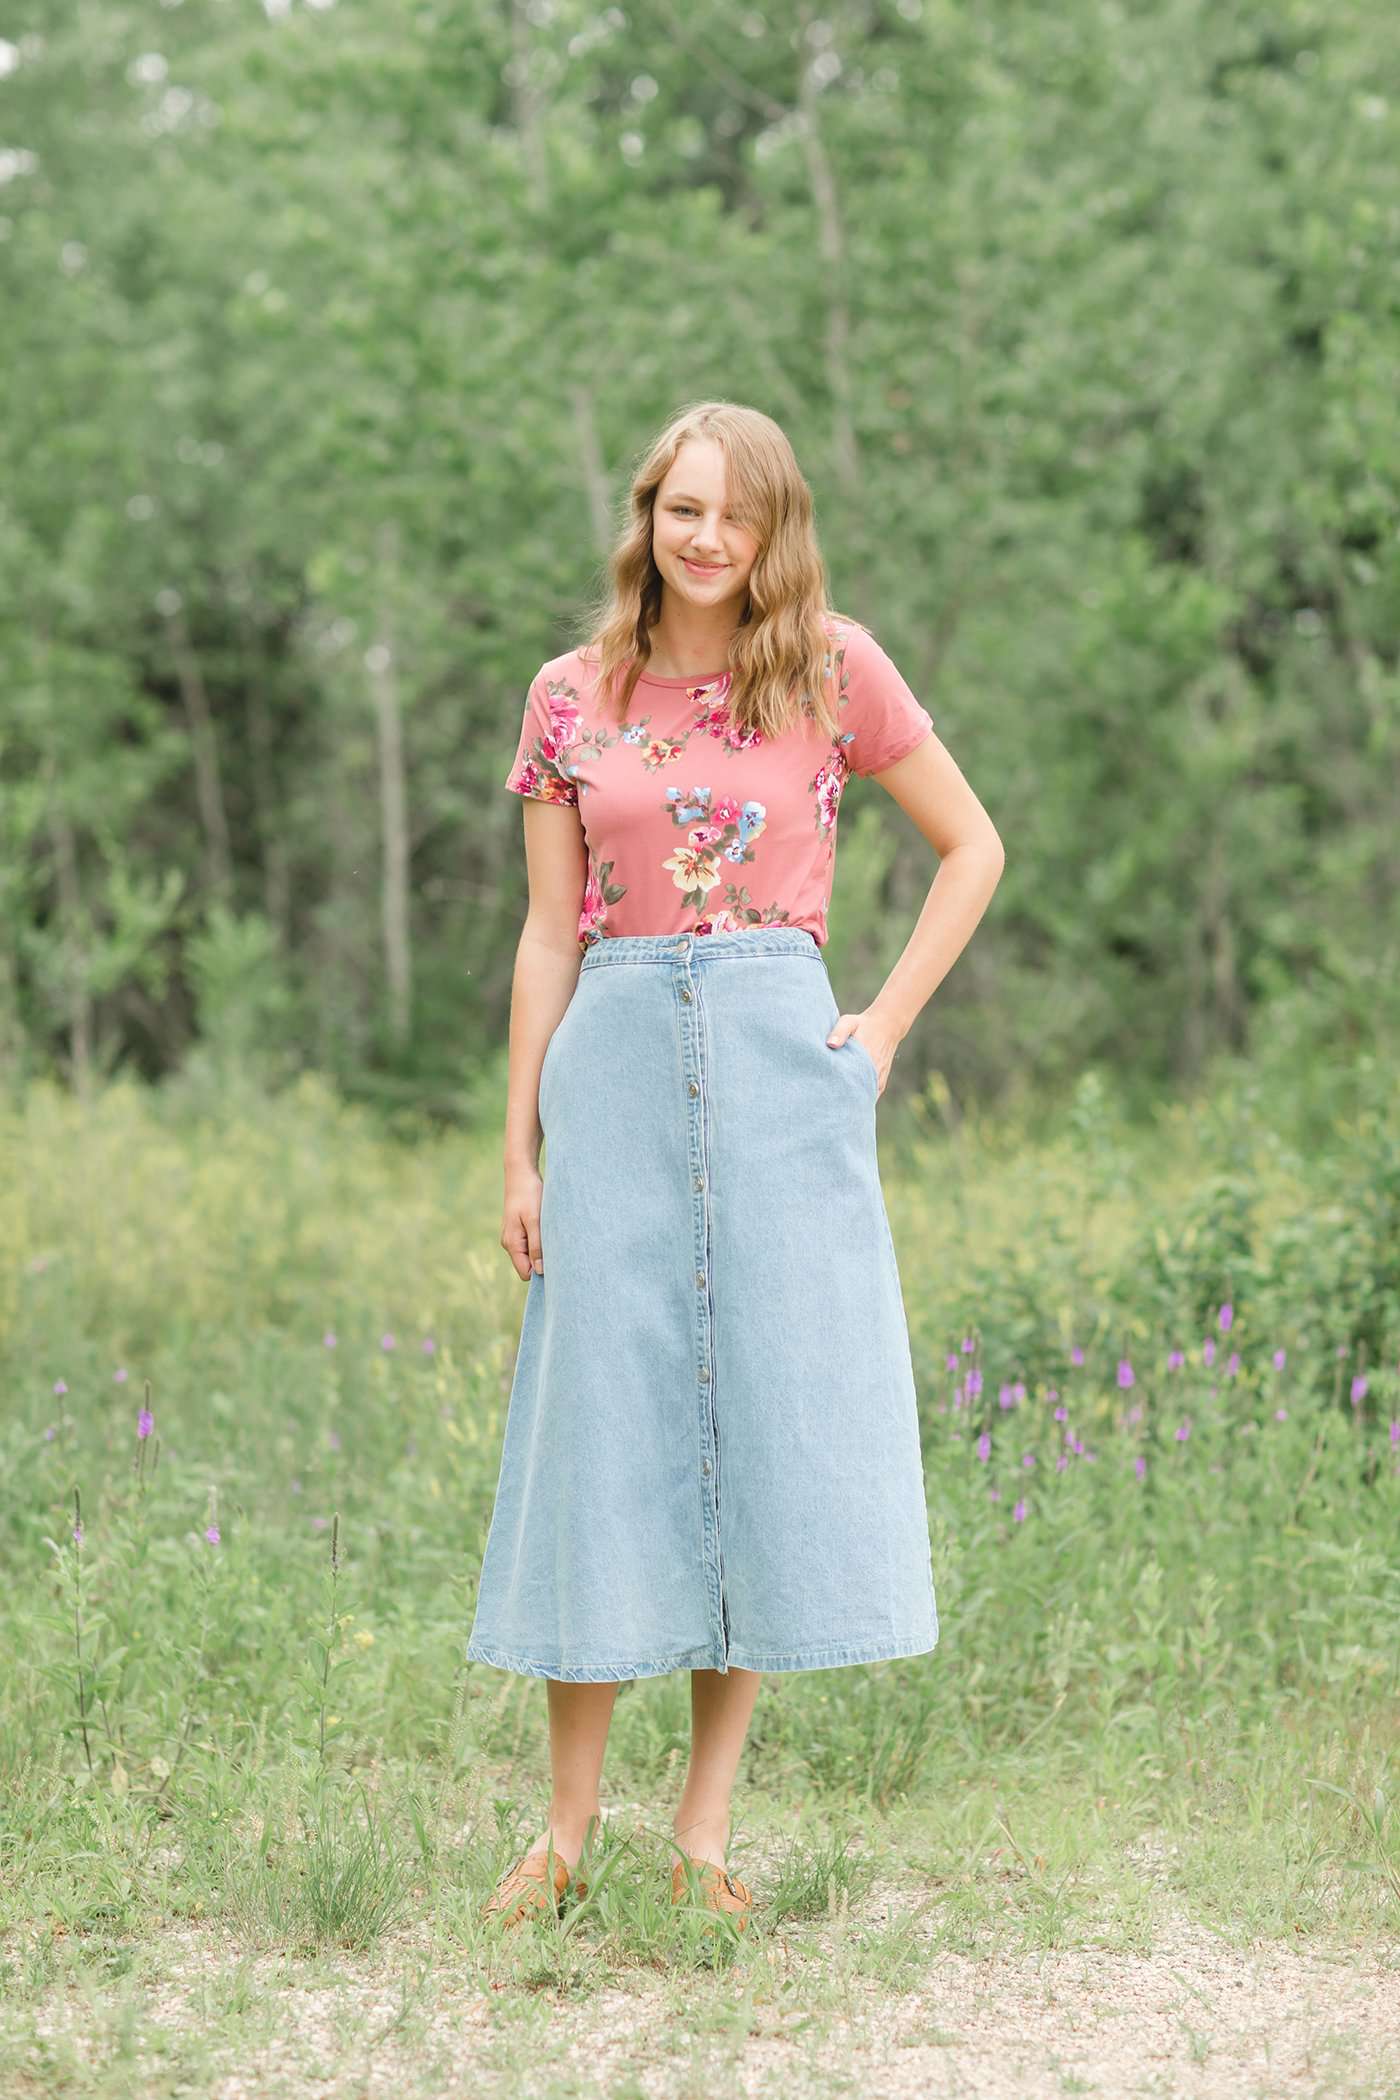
(701, 553)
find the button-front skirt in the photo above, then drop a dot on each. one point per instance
(711, 1453)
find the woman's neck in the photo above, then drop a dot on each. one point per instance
(685, 647)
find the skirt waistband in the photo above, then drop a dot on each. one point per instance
(699, 947)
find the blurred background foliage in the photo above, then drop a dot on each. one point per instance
(331, 334)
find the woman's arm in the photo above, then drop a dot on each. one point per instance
(931, 788)
(547, 962)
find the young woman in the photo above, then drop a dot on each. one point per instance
(711, 1455)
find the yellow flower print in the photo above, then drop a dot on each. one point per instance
(693, 868)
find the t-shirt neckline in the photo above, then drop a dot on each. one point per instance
(708, 678)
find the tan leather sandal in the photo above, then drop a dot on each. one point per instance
(719, 1889)
(522, 1890)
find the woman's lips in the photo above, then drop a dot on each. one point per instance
(700, 568)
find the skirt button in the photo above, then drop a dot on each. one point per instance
(692, 1088)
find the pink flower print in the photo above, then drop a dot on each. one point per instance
(563, 727)
(827, 788)
(716, 721)
(705, 834)
(720, 922)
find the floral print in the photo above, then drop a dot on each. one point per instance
(745, 802)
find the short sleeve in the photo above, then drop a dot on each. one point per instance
(549, 727)
(881, 720)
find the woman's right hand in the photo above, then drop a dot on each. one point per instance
(520, 1226)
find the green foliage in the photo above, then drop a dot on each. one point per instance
(332, 333)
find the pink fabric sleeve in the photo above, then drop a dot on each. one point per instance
(536, 769)
(883, 718)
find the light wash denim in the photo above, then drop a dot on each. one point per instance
(711, 1453)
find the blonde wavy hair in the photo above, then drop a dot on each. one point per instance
(781, 652)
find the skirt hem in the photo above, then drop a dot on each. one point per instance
(708, 1658)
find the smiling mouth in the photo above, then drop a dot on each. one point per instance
(706, 568)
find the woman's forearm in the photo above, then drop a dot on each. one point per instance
(546, 972)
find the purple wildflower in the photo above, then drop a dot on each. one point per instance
(1061, 1414)
(1208, 1353)
(1125, 1373)
(1140, 1466)
(994, 1493)
(1018, 1391)
(984, 1446)
(972, 1384)
(1004, 1398)
(968, 1345)
(1061, 1462)
(1280, 1414)
(386, 1341)
(1395, 1435)
(328, 1339)
(78, 1532)
(952, 1364)
(1176, 1359)
(1280, 1359)
(1028, 1458)
(59, 1386)
(1184, 1431)
(1134, 1413)
(119, 1377)
(1358, 1388)
(1076, 1354)
(212, 1534)
(1227, 1314)
(429, 1345)
(1233, 1366)
(1018, 1513)
(50, 1433)
(145, 1422)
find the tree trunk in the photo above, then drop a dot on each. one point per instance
(393, 799)
(208, 787)
(70, 912)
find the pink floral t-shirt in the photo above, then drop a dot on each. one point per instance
(694, 825)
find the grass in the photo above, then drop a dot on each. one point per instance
(251, 1797)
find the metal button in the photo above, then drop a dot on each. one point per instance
(706, 1467)
(692, 1088)
(685, 993)
(704, 1373)
(699, 1181)
(699, 1279)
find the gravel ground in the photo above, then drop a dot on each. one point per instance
(1194, 2018)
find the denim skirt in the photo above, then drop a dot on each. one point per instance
(711, 1452)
